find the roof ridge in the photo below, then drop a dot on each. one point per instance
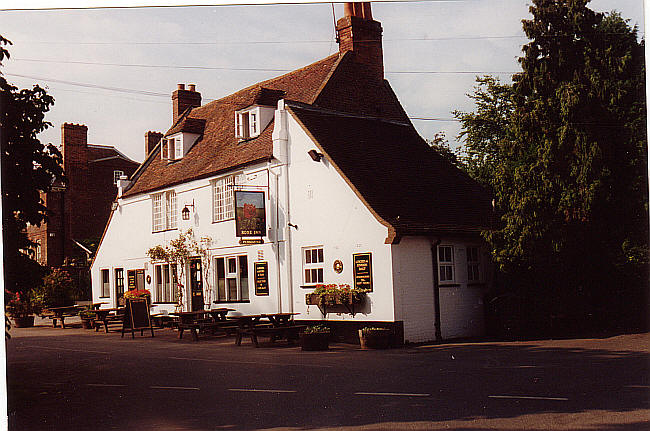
(261, 83)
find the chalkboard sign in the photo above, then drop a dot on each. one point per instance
(362, 263)
(136, 317)
(261, 278)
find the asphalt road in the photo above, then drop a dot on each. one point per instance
(76, 379)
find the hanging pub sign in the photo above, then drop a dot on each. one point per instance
(362, 265)
(250, 215)
(261, 278)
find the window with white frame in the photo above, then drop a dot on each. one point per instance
(247, 123)
(106, 284)
(445, 263)
(473, 264)
(223, 202)
(312, 265)
(39, 252)
(119, 282)
(232, 278)
(166, 283)
(117, 175)
(172, 149)
(164, 214)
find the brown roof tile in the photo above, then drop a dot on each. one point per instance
(218, 149)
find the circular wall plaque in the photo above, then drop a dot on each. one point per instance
(338, 266)
(148, 279)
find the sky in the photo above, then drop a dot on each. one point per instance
(114, 69)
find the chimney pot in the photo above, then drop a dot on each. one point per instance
(359, 33)
(181, 86)
(192, 87)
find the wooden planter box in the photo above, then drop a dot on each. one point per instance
(315, 341)
(375, 339)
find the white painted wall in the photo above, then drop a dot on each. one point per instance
(329, 213)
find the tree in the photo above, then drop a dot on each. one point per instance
(486, 132)
(28, 168)
(570, 164)
(440, 145)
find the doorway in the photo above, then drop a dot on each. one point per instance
(196, 284)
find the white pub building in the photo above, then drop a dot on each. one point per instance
(333, 185)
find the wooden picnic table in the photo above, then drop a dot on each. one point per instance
(59, 313)
(104, 315)
(281, 325)
(97, 305)
(198, 321)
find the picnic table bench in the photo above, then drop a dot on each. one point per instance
(60, 313)
(199, 322)
(280, 326)
(108, 316)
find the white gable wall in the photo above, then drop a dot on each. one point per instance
(329, 213)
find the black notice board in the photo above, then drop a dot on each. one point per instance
(136, 316)
(131, 279)
(362, 264)
(261, 278)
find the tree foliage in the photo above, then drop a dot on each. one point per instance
(565, 151)
(28, 168)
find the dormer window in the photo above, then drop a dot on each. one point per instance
(172, 149)
(250, 122)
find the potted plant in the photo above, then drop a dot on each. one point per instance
(328, 295)
(374, 338)
(138, 294)
(87, 317)
(22, 307)
(315, 337)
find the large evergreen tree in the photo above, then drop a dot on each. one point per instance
(28, 168)
(570, 166)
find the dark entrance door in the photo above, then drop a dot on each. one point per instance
(196, 284)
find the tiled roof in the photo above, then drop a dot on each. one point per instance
(218, 149)
(189, 125)
(96, 152)
(400, 178)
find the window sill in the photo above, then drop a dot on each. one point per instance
(165, 303)
(104, 297)
(221, 221)
(247, 301)
(450, 285)
(164, 230)
(310, 286)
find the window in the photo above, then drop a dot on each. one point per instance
(116, 176)
(39, 252)
(119, 282)
(247, 123)
(164, 211)
(473, 264)
(446, 263)
(166, 280)
(106, 284)
(312, 263)
(232, 278)
(223, 206)
(172, 149)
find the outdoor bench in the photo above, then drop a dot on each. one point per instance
(60, 313)
(196, 327)
(291, 333)
(107, 320)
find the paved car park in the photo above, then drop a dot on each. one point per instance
(76, 379)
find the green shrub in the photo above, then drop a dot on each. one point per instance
(317, 329)
(58, 289)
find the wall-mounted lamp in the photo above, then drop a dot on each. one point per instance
(185, 213)
(295, 226)
(315, 155)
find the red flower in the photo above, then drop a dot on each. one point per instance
(250, 211)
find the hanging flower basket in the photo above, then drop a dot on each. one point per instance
(332, 295)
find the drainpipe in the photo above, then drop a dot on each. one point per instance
(436, 288)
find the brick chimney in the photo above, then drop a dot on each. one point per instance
(74, 138)
(359, 33)
(183, 99)
(151, 139)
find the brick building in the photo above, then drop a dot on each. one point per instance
(79, 209)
